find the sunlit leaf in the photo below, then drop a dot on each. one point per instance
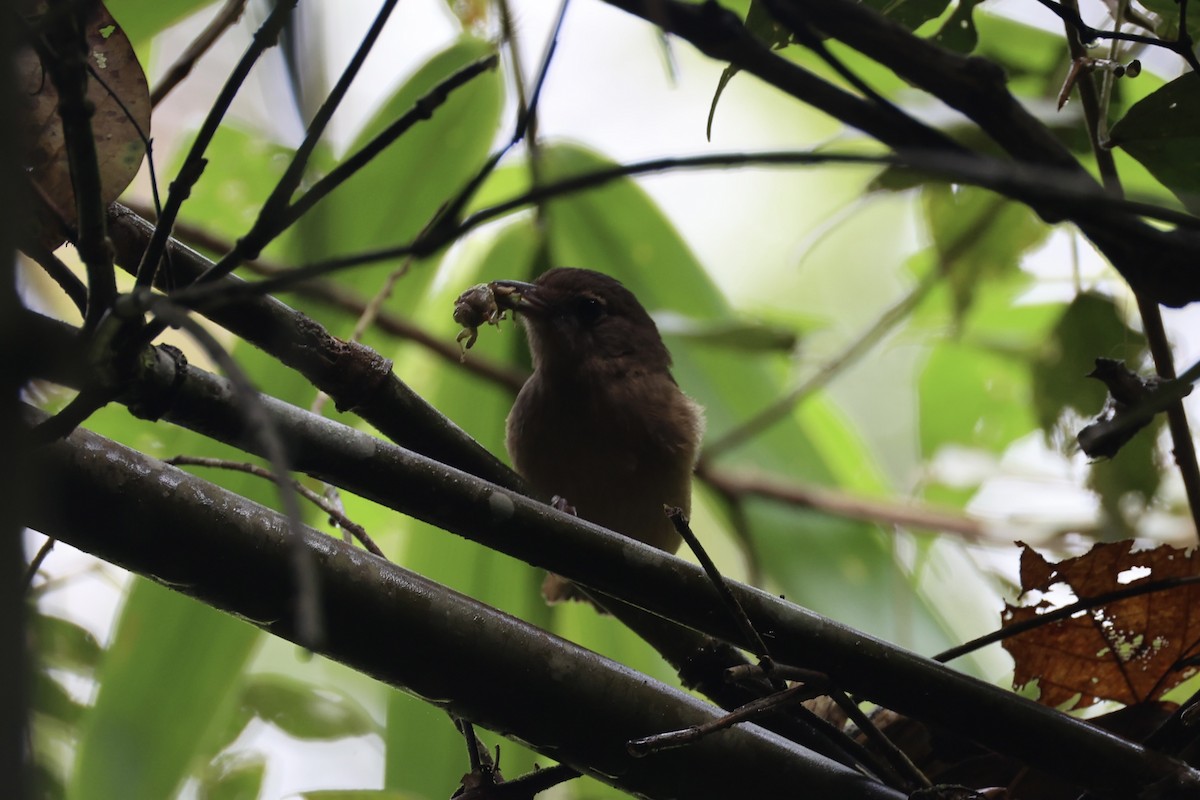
(1131, 651)
(973, 398)
(142, 19)
(237, 777)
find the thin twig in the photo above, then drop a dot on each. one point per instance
(265, 37)
(999, 175)
(784, 406)
(648, 745)
(1181, 46)
(477, 754)
(74, 288)
(143, 134)
(230, 13)
(337, 296)
(38, 559)
(1184, 449)
(739, 521)
(250, 245)
(749, 632)
(1017, 628)
(837, 503)
(273, 216)
(336, 515)
(525, 787)
(526, 121)
(821, 683)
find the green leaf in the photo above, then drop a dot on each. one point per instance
(45, 783)
(142, 19)
(763, 25)
(233, 777)
(972, 398)
(62, 644)
(751, 336)
(1031, 56)
(909, 13)
(1162, 132)
(169, 678)
(304, 711)
(1090, 327)
(977, 236)
(1134, 473)
(359, 794)
(958, 32)
(1167, 13)
(51, 699)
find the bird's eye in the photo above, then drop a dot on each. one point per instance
(589, 309)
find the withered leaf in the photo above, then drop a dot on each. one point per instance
(118, 91)
(1131, 651)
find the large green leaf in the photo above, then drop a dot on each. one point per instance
(973, 398)
(1162, 132)
(169, 678)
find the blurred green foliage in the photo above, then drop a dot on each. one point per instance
(977, 364)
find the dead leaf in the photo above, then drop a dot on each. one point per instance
(117, 89)
(1131, 651)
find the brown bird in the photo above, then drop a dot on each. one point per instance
(601, 423)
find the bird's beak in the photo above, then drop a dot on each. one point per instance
(519, 296)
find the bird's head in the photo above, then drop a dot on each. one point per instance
(578, 319)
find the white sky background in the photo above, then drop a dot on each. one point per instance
(609, 89)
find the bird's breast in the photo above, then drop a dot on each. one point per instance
(618, 451)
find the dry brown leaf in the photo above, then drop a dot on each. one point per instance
(1130, 651)
(122, 96)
